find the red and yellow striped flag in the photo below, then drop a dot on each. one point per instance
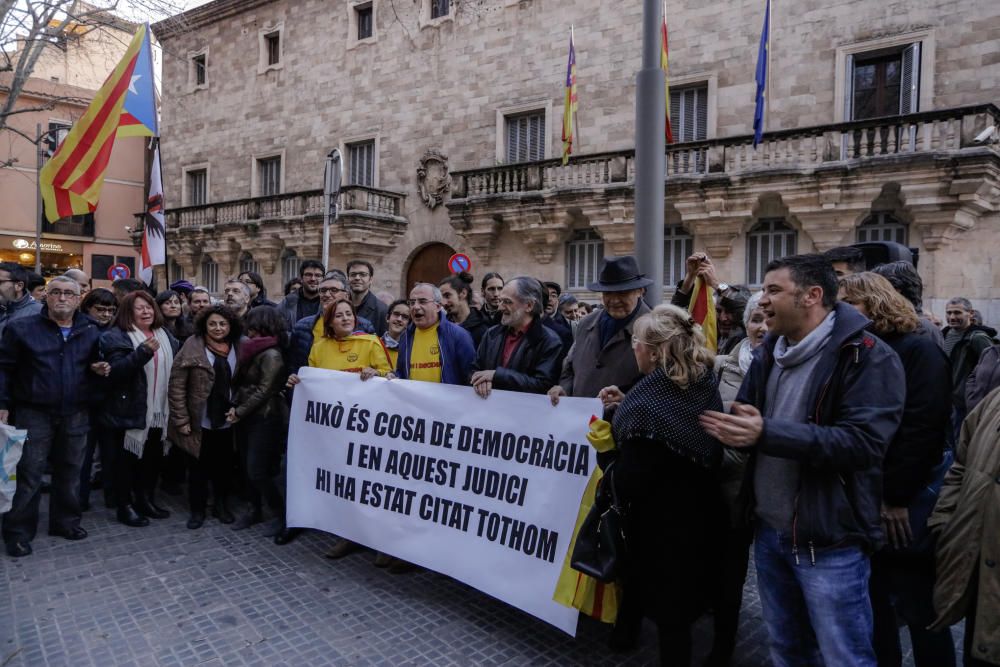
(570, 102)
(702, 309)
(664, 63)
(71, 181)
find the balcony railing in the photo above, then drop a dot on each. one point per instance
(288, 206)
(927, 132)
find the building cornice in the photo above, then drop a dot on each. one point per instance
(202, 16)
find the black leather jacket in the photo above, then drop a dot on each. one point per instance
(535, 364)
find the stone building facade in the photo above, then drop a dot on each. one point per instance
(448, 114)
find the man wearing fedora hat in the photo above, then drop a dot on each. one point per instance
(602, 356)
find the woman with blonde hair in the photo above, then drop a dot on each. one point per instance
(913, 465)
(665, 474)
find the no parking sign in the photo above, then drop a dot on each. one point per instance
(119, 272)
(459, 262)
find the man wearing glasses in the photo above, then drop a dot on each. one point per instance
(305, 301)
(308, 328)
(433, 349)
(15, 302)
(47, 364)
(366, 304)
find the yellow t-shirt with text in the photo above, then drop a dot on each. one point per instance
(425, 359)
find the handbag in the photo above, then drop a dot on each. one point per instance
(600, 543)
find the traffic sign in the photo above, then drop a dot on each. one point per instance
(459, 262)
(118, 272)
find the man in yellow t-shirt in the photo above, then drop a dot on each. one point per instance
(432, 348)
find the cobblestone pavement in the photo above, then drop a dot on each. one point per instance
(167, 596)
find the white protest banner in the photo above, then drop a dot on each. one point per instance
(485, 491)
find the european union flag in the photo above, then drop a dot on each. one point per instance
(762, 57)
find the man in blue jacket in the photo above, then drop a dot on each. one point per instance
(433, 348)
(819, 406)
(47, 364)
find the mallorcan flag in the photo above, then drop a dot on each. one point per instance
(702, 308)
(125, 105)
(154, 243)
(569, 106)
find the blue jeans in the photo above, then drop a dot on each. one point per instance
(813, 610)
(61, 440)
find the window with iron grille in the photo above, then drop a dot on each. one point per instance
(883, 227)
(689, 113)
(272, 42)
(365, 18)
(583, 259)
(361, 163)
(769, 239)
(200, 63)
(526, 137)
(439, 8)
(290, 266)
(269, 176)
(678, 245)
(248, 264)
(210, 275)
(197, 187)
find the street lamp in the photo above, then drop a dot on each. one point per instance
(332, 178)
(41, 154)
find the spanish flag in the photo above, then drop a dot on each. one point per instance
(702, 308)
(666, 73)
(71, 181)
(569, 107)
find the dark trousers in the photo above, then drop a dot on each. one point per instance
(968, 660)
(729, 595)
(260, 443)
(101, 442)
(61, 441)
(216, 464)
(135, 478)
(903, 587)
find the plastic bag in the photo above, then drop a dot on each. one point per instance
(10, 454)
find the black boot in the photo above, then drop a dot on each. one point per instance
(251, 517)
(196, 519)
(128, 516)
(146, 508)
(286, 535)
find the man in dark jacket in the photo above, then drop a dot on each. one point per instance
(305, 301)
(964, 343)
(433, 349)
(360, 274)
(553, 318)
(15, 301)
(821, 402)
(520, 353)
(46, 364)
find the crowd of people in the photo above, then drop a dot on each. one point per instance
(836, 430)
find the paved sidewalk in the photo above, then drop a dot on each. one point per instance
(167, 596)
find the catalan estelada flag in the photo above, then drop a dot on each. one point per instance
(664, 63)
(702, 309)
(71, 181)
(763, 53)
(569, 108)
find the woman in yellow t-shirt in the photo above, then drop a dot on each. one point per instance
(341, 348)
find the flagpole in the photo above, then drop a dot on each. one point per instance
(650, 154)
(576, 117)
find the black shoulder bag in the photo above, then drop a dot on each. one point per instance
(600, 544)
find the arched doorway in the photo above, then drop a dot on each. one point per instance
(429, 265)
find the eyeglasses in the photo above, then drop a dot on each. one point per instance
(105, 310)
(332, 290)
(403, 316)
(358, 274)
(419, 302)
(58, 294)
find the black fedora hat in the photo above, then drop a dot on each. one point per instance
(619, 274)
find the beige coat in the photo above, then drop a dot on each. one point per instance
(191, 381)
(589, 368)
(967, 520)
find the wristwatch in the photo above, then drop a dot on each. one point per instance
(723, 288)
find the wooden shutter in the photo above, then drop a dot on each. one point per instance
(909, 83)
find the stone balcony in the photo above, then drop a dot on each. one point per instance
(369, 224)
(827, 177)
